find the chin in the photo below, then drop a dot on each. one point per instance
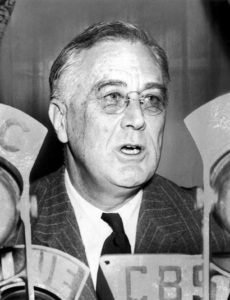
(133, 179)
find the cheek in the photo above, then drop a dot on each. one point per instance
(160, 135)
(156, 131)
(76, 128)
(97, 135)
(100, 128)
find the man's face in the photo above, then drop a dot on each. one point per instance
(110, 149)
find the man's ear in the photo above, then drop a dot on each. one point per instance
(57, 115)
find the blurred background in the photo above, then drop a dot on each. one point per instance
(194, 33)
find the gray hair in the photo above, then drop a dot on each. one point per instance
(102, 32)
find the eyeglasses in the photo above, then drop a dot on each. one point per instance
(151, 102)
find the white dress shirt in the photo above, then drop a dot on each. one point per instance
(94, 230)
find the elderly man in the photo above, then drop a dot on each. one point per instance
(108, 106)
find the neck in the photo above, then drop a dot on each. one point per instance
(105, 197)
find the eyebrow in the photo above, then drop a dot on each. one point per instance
(155, 85)
(101, 84)
(150, 85)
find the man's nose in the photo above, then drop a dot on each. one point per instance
(133, 116)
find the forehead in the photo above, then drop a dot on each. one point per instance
(131, 62)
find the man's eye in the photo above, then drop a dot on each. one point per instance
(154, 102)
(113, 102)
(112, 98)
(153, 99)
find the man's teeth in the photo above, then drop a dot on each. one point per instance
(131, 150)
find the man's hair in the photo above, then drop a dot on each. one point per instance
(102, 32)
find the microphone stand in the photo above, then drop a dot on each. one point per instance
(25, 216)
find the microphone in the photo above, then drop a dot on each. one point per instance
(9, 199)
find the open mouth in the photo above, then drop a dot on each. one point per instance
(131, 149)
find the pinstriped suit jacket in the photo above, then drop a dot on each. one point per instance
(167, 222)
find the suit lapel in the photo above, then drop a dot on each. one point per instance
(57, 228)
(159, 225)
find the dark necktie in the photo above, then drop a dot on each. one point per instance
(116, 243)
